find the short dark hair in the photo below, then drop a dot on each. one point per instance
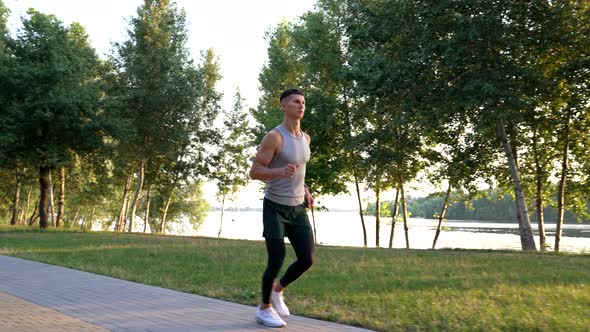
(289, 92)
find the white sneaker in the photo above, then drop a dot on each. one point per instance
(269, 317)
(277, 300)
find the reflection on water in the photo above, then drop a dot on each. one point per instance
(344, 229)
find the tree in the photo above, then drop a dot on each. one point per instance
(4, 34)
(313, 55)
(537, 165)
(340, 118)
(394, 214)
(53, 95)
(166, 101)
(389, 81)
(187, 208)
(565, 62)
(282, 71)
(318, 47)
(233, 158)
(91, 184)
(483, 57)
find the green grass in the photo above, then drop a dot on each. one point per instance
(387, 290)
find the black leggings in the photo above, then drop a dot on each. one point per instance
(304, 249)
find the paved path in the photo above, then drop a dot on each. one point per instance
(20, 315)
(42, 297)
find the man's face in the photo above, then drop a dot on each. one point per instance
(294, 106)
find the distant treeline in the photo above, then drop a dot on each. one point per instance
(236, 209)
(488, 206)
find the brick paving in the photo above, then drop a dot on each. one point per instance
(20, 315)
(44, 296)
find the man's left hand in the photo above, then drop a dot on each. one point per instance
(308, 199)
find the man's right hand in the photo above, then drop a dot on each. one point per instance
(289, 170)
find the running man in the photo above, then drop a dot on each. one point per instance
(280, 161)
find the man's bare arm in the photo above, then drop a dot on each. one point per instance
(309, 200)
(266, 151)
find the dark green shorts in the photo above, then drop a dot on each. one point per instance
(282, 220)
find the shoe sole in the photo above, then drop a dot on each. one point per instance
(262, 323)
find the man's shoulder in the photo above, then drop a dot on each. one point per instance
(274, 134)
(273, 137)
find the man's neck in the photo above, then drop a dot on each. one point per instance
(292, 126)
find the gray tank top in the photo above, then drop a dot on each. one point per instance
(295, 150)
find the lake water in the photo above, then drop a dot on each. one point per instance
(344, 229)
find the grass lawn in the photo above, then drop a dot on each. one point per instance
(381, 289)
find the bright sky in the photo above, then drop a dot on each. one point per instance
(235, 29)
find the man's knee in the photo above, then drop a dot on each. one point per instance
(306, 261)
(274, 265)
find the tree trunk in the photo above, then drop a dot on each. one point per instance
(33, 216)
(75, 216)
(120, 224)
(136, 198)
(442, 215)
(539, 202)
(353, 157)
(222, 208)
(513, 147)
(127, 205)
(562, 184)
(91, 221)
(377, 214)
(147, 210)
(44, 182)
(315, 232)
(526, 234)
(15, 205)
(62, 196)
(516, 201)
(405, 216)
(358, 195)
(393, 217)
(27, 206)
(163, 223)
(51, 200)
